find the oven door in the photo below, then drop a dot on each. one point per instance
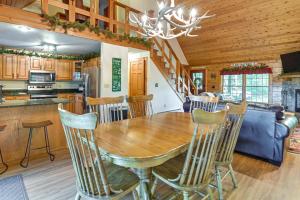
(39, 76)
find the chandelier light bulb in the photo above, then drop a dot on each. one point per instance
(161, 5)
(193, 13)
(144, 18)
(180, 12)
(159, 25)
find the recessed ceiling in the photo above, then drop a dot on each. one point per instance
(14, 36)
(243, 30)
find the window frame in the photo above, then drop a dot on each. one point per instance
(244, 88)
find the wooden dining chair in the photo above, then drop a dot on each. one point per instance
(228, 142)
(193, 171)
(140, 106)
(206, 103)
(108, 109)
(95, 178)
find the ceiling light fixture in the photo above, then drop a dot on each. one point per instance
(48, 47)
(23, 28)
(171, 21)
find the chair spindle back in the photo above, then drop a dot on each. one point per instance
(206, 103)
(90, 173)
(230, 135)
(200, 157)
(140, 106)
(108, 109)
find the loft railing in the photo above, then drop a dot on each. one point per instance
(113, 17)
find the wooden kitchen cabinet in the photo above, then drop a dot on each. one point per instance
(64, 70)
(21, 97)
(15, 67)
(23, 66)
(76, 102)
(36, 63)
(79, 104)
(1, 66)
(49, 64)
(9, 65)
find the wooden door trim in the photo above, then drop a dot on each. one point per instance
(145, 74)
(204, 71)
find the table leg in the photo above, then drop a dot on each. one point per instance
(144, 189)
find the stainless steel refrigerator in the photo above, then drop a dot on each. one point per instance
(91, 83)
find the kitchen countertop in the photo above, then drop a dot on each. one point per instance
(25, 92)
(32, 102)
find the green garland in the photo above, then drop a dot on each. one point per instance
(246, 68)
(24, 52)
(55, 22)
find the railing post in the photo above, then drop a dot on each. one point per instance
(111, 14)
(71, 10)
(127, 10)
(93, 12)
(44, 6)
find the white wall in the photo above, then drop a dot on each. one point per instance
(165, 98)
(109, 51)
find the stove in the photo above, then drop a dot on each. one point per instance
(41, 91)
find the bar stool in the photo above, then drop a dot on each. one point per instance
(2, 127)
(31, 126)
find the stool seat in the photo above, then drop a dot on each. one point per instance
(36, 124)
(2, 127)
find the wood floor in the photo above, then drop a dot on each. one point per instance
(258, 180)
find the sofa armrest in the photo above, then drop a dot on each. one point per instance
(281, 131)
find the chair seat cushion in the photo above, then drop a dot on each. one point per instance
(119, 178)
(36, 124)
(170, 169)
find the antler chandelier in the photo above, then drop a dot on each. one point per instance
(171, 22)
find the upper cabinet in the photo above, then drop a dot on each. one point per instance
(64, 70)
(9, 65)
(36, 63)
(23, 66)
(17, 67)
(49, 64)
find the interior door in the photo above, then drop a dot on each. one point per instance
(137, 77)
(198, 78)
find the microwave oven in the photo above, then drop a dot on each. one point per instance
(41, 77)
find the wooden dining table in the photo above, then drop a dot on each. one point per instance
(145, 142)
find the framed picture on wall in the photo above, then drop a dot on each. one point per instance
(116, 74)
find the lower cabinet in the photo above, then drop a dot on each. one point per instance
(76, 102)
(22, 97)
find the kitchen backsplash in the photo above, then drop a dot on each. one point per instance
(22, 85)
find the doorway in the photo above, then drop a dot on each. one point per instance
(198, 78)
(137, 77)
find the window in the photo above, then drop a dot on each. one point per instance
(257, 88)
(233, 87)
(252, 87)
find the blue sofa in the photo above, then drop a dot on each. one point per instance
(262, 135)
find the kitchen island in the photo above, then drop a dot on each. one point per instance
(14, 139)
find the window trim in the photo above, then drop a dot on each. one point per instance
(244, 88)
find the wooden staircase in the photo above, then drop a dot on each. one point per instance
(170, 67)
